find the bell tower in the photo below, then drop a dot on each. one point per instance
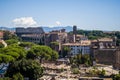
(74, 33)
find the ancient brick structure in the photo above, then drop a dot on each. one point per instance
(104, 56)
(116, 63)
(103, 50)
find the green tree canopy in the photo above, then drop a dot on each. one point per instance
(1, 45)
(15, 51)
(18, 76)
(26, 44)
(27, 68)
(42, 52)
(81, 59)
(11, 41)
(6, 58)
(66, 51)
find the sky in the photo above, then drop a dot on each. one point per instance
(85, 14)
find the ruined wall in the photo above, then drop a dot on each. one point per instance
(104, 56)
(117, 60)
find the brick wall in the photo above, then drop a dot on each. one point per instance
(104, 56)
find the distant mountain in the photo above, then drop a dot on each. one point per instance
(6, 28)
(45, 28)
(48, 29)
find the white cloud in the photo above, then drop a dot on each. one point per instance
(58, 22)
(24, 22)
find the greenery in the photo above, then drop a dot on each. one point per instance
(54, 45)
(11, 41)
(95, 34)
(96, 72)
(42, 53)
(81, 59)
(23, 63)
(27, 68)
(6, 58)
(13, 52)
(103, 72)
(75, 71)
(1, 45)
(62, 69)
(66, 51)
(6, 78)
(23, 56)
(18, 76)
(116, 76)
(8, 35)
(26, 44)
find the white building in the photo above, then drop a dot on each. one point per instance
(82, 47)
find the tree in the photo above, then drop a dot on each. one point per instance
(81, 59)
(26, 68)
(11, 41)
(26, 44)
(42, 53)
(118, 42)
(6, 58)
(6, 78)
(8, 35)
(15, 51)
(17, 76)
(103, 72)
(86, 59)
(116, 76)
(1, 45)
(75, 71)
(54, 45)
(66, 51)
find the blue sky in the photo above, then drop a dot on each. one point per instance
(86, 14)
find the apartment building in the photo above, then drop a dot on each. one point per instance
(81, 47)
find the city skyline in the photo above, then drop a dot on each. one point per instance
(86, 14)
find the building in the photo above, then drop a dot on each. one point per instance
(81, 47)
(71, 38)
(74, 37)
(31, 34)
(103, 50)
(1, 35)
(59, 36)
(30, 30)
(74, 33)
(116, 63)
(77, 43)
(35, 38)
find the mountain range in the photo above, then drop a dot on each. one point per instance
(45, 28)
